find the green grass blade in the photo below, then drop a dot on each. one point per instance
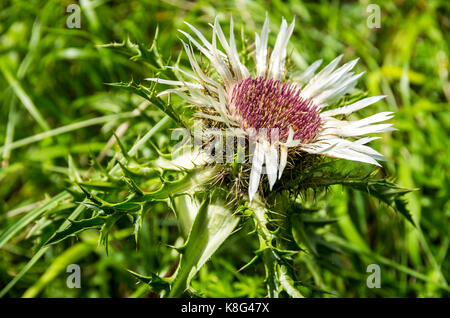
(23, 96)
(12, 118)
(68, 128)
(40, 252)
(70, 256)
(31, 216)
(351, 247)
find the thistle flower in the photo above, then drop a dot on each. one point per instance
(258, 104)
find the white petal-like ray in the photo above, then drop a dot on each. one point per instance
(345, 149)
(308, 73)
(345, 128)
(371, 119)
(172, 90)
(290, 142)
(201, 48)
(277, 59)
(283, 160)
(316, 83)
(214, 55)
(328, 85)
(255, 174)
(271, 159)
(371, 129)
(222, 106)
(353, 155)
(170, 82)
(205, 42)
(245, 73)
(337, 76)
(347, 110)
(232, 54)
(336, 91)
(261, 49)
(190, 99)
(219, 64)
(196, 67)
(187, 74)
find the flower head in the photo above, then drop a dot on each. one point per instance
(271, 104)
(263, 102)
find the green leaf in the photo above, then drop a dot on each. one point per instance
(156, 283)
(356, 177)
(302, 237)
(149, 94)
(213, 224)
(77, 227)
(106, 228)
(314, 221)
(388, 192)
(192, 180)
(128, 205)
(287, 282)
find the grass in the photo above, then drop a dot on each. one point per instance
(56, 105)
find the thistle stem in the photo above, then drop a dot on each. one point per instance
(265, 240)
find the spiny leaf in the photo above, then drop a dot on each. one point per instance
(137, 52)
(317, 221)
(125, 206)
(156, 283)
(192, 180)
(384, 190)
(106, 228)
(123, 150)
(133, 187)
(287, 282)
(252, 262)
(76, 227)
(149, 95)
(212, 226)
(388, 192)
(138, 225)
(301, 236)
(99, 185)
(97, 165)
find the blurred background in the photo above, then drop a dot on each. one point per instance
(55, 101)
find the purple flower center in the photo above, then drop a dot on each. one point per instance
(270, 104)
